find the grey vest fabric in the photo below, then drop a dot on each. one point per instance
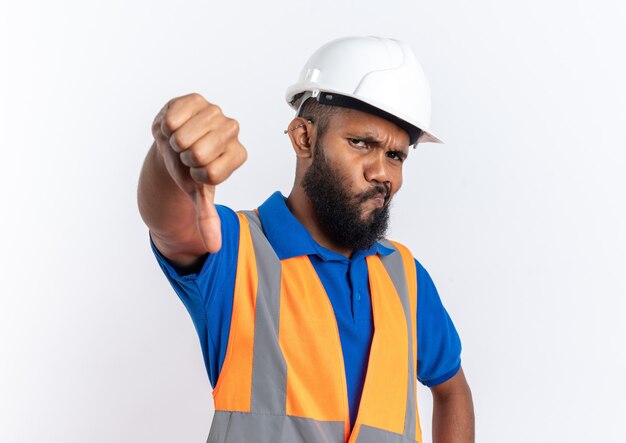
(395, 268)
(267, 421)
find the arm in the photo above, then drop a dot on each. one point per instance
(453, 411)
(158, 198)
(195, 148)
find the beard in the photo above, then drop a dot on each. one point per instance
(338, 212)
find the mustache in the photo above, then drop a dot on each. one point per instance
(383, 190)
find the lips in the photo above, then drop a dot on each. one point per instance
(380, 196)
(379, 200)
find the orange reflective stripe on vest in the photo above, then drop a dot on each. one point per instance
(309, 338)
(283, 377)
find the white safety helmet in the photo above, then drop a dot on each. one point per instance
(377, 75)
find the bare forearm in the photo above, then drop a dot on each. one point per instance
(163, 206)
(453, 411)
(453, 420)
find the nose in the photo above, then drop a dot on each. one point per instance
(376, 169)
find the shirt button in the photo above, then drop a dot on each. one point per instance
(358, 296)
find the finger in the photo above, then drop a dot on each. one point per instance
(221, 168)
(207, 219)
(156, 123)
(205, 150)
(200, 124)
(162, 142)
(181, 109)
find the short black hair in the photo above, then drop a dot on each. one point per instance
(318, 113)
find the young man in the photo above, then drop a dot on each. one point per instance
(313, 327)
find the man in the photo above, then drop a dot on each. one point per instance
(313, 327)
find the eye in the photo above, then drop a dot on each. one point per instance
(357, 142)
(396, 155)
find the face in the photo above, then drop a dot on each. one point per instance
(355, 172)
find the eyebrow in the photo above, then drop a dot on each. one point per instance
(372, 140)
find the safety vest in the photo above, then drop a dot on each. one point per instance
(283, 378)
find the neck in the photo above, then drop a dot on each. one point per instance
(302, 208)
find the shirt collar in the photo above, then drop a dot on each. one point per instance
(289, 237)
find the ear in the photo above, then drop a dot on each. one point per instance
(302, 135)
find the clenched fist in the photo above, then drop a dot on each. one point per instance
(200, 149)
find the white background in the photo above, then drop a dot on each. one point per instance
(519, 217)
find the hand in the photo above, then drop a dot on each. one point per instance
(200, 148)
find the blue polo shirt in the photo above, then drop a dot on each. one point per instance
(208, 296)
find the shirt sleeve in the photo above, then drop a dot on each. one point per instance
(208, 293)
(438, 343)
